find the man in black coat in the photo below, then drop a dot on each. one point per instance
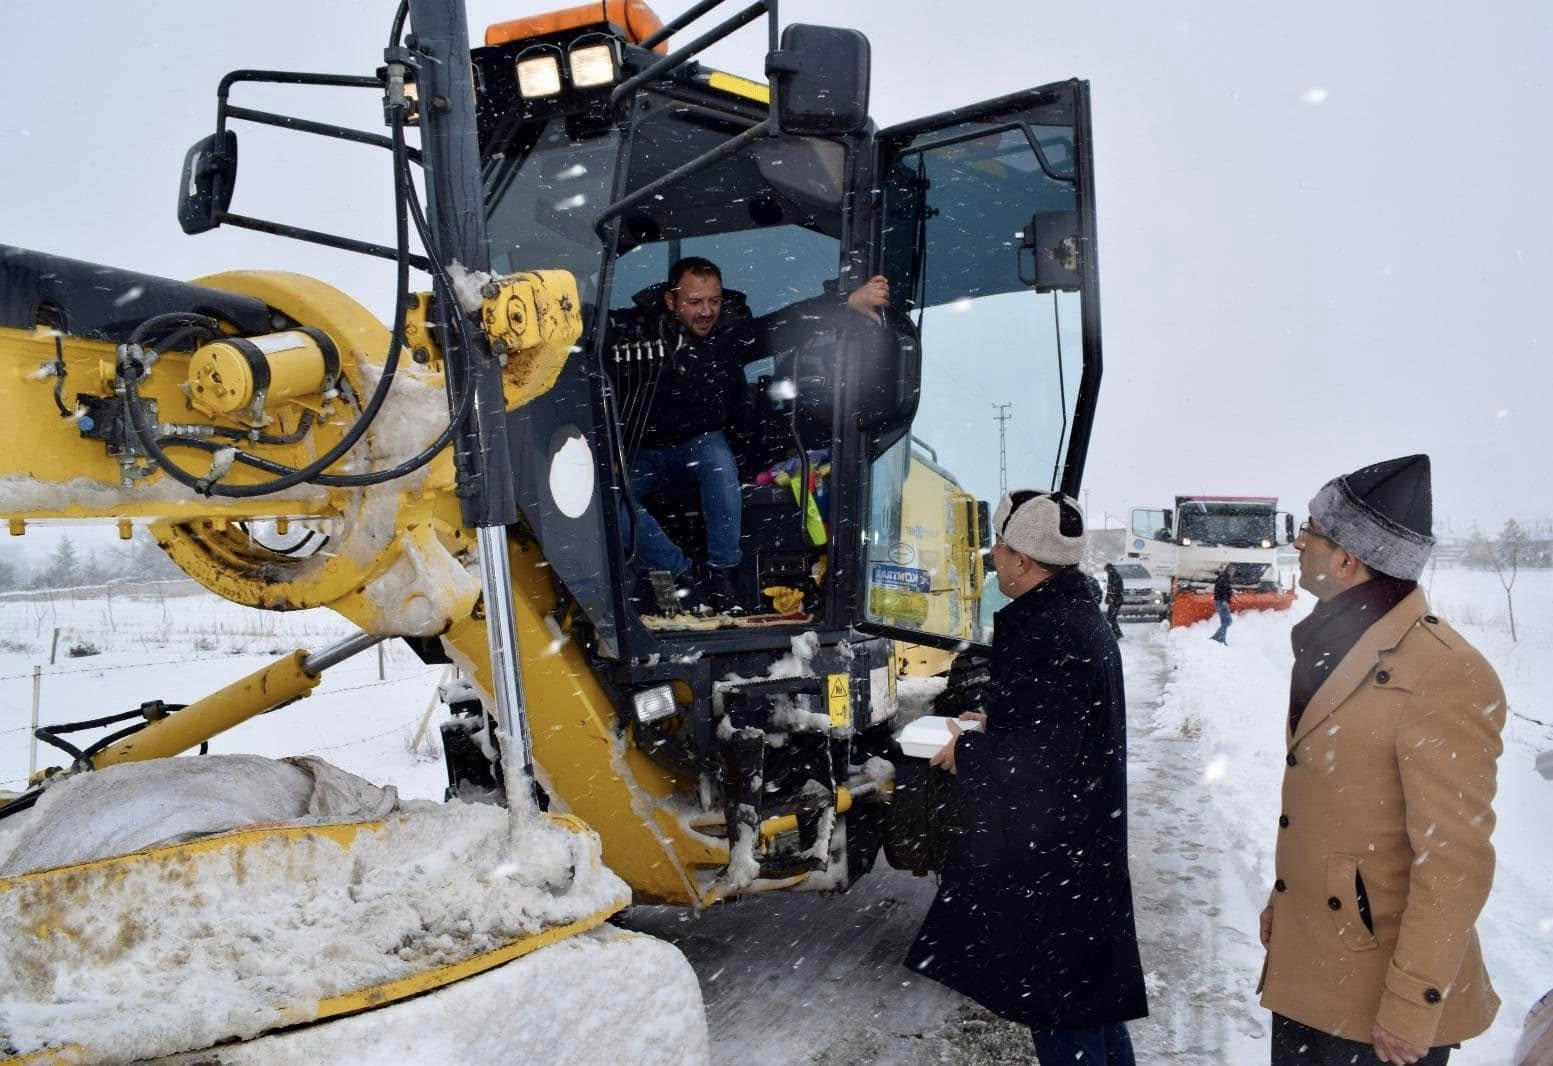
(1223, 594)
(1114, 594)
(677, 414)
(677, 411)
(1034, 917)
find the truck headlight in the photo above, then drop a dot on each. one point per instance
(538, 75)
(592, 65)
(654, 704)
(1186, 542)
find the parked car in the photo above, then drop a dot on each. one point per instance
(1142, 599)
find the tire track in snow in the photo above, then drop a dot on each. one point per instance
(1195, 927)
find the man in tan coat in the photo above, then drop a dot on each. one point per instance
(1383, 859)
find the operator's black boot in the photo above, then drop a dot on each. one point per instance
(677, 595)
(722, 590)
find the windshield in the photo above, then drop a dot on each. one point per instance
(1131, 570)
(1230, 527)
(541, 200)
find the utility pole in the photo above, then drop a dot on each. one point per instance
(1001, 418)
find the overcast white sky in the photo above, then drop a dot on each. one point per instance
(1325, 237)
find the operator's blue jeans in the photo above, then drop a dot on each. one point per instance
(708, 460)
(1109, 1045)
(1223, 609)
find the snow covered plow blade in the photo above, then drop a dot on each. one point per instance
(187, 944)
(1188, 608)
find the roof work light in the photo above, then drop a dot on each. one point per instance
(539, 73)
(593, 63)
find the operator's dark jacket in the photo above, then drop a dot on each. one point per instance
(1114, 590)
(1040, 930)
(698, 387)
(1223, 591)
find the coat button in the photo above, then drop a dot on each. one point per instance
(1335, 903)
(1431, 619)
(1432, 995)
(1291, 760)
(1279, 886)
(1382, 677)
(1283, 821)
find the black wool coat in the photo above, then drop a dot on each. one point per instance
(1033, 917)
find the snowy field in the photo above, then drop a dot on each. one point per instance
(1207, 739)
(177, 644)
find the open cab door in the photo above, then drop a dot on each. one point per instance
(987, 234)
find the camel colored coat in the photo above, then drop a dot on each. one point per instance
(1387, 812)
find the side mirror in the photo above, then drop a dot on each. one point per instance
(983, 524)
(205, 187)
(1052, 240)
(822, 79)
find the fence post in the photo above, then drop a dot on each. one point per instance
(32, 737)
(54, 648)
(380, 674)
(448, 673)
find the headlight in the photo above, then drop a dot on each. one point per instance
(1266, 543)
(592, 65)
(654, 704)
(539, 76)
(1187, 541)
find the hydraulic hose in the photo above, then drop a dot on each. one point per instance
(132, 371)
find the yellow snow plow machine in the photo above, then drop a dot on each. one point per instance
(461, 477)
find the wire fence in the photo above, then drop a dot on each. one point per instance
(420, 676)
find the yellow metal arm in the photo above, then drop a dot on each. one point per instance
(265, 689)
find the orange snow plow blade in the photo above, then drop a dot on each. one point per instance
(1188, 608)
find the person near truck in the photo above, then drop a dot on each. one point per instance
(1114, 594)
(1223, 593)
(1033, 918)
(1383, 860)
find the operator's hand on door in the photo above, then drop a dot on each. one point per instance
(874, 294)
(1389, 1047)
(945, 755)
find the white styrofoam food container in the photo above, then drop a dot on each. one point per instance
(923, 737)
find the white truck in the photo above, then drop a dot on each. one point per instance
(1186, 547)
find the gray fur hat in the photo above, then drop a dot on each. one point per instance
(1382, 514)
(1046, 526)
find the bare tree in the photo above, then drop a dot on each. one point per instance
(1508, 553)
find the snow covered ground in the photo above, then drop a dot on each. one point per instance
(1206, 760)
